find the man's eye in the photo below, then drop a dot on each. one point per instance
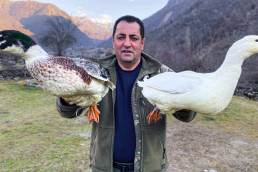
(120, 37)
(134, 38)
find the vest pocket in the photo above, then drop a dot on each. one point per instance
(101, 147)
(154, 150)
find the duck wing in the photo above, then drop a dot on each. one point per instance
(91, 68)
(172, 82)
(94, 70)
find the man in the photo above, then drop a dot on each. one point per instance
(123, 140)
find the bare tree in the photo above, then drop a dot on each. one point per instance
(59, 35)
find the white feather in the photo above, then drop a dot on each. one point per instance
(4, 41)
(207, 93)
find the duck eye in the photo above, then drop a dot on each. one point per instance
(5, 36)
(256, 40)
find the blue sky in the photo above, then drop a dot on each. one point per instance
(108, 9)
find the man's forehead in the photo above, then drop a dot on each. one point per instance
(128, 28)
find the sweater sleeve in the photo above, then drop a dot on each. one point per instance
(67, 111)
(185, 116)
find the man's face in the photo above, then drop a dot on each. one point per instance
(128, 44)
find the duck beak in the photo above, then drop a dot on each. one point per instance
(0, 50)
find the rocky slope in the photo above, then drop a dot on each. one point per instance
(94, 30)
(196, 34)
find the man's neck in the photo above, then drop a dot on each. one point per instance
(129, 66)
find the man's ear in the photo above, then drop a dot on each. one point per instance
(143, 40)
(113, 43)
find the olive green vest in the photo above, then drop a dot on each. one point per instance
(150, 154)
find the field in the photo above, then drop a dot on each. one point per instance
(33, 136)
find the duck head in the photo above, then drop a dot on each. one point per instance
(15, 43)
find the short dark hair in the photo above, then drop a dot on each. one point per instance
(129, 19)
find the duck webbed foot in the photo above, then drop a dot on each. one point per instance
(154, 115)
(93, 114)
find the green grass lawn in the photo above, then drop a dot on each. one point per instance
(33, 136)
(240, 118)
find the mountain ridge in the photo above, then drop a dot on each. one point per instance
(13, 14)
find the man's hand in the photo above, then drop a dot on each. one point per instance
(186, 110)
(67, 102)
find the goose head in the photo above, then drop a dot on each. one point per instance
(15, 43)
(246, 46)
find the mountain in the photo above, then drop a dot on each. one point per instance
(7, 21)
(196, 34)
(11, 13)
(94, 29)
(30, 17)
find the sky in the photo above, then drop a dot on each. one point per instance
(108, 10)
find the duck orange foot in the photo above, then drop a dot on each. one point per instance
(154, 115)
(93, 114)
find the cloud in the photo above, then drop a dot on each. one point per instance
(103, 18)
(100, 18)
(106, 17)
(81, 12)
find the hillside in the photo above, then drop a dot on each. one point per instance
(13, 12)
(196, 34)
(94, 30)
(30, 16)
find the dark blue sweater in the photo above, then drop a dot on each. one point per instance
(125, 141)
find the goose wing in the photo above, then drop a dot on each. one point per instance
(173, 83)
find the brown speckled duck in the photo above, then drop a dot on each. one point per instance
(76, 80)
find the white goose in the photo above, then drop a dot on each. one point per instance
(206, 93)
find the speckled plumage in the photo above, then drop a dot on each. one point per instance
(63, 77)
(77, 80)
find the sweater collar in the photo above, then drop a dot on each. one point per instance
(149, 64)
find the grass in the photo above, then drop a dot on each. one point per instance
(20, 64)
(240, 118)
(33, 135)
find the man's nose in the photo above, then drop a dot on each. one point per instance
(127, 42)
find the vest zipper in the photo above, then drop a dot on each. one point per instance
(140, 122)
(113, 138)
(143, 109)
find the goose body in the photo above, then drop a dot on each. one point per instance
(77, 80)
(206, 93)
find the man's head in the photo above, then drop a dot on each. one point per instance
(130, 19)
(128, 41)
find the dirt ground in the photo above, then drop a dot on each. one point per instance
(195, 147)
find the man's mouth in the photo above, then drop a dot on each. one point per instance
(127, 51)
